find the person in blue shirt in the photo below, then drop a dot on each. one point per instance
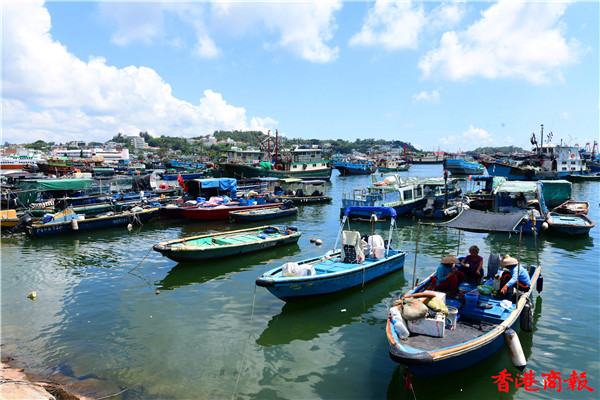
(512, 274)
(448, 277)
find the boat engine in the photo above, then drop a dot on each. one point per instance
(24, 222)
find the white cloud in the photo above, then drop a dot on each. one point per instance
(424, 96)
(303, 29)
(473, 138)
(512, 39)
(91, 99)
(392, 25)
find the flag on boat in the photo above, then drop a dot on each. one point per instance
(181, 182)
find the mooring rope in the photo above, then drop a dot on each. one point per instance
(246, 346)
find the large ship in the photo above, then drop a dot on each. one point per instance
(308, 163)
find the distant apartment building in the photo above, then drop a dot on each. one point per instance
(138, 142)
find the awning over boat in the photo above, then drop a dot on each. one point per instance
(519, 187)
(482, 221)
(57, 184)
(225, 184)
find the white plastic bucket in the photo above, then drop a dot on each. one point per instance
(496, 284)
(452, 315)
(379, 252)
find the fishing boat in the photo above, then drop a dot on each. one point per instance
(481, 196)
(338, 269)
(583, 177)
(227, 244)
(214, 211)
(572, 225)
(67, 221)
(403, 195)
(301, 192)
(300, 162)
(572, 207)
(285, 210)
(355, 166)
(459, 165)
(439, 345)
(386, 165)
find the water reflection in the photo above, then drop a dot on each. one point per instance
(308, 319)
(195, 272)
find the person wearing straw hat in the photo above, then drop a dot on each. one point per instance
(448, 277)
(512, 274)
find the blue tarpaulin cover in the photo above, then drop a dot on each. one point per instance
(229, 184)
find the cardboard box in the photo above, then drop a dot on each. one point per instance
(428, 326)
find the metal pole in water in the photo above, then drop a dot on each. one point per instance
(416, 252)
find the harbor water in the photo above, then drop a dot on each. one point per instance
(113, 316)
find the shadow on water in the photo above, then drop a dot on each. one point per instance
(575, 244)
(308, 319)
(195, 272)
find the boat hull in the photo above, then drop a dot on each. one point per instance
(244, 216)
(305, 199)
(300, 288)
(218, 212)
(52, 229)
(356, 170)
(240, 171)
(571, 225)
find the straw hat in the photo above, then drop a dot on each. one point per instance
(508, 261)
(450, 259)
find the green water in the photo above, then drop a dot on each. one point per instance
(99, 325)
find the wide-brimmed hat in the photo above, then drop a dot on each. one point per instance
(450, 259)
(508, 261)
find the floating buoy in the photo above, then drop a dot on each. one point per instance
(74, 224)
(32, 295)
(129, 227)
(157, 292)
(526, 319)
(312, 240)
(515, 351)
(318, 242)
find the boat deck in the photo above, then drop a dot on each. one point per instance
(465, 330)
(223, 241)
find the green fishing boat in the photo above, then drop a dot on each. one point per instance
(227, 244)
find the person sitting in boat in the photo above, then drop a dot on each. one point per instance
(472, 265)
(512, 271)
(448, 277)
(520, 201)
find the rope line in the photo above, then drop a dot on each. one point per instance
(246, 346)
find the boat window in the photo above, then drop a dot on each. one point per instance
(408, 195)
(419, 192)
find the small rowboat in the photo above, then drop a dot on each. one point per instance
(263, 214)
(336, 270)
(227, 244)
(573, 207)
(572, 225)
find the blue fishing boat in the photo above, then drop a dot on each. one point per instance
(286, 210)
(67, 221)
(433, 346)
(339, 269)
(355, 166)
(572, 225)
(461, 166)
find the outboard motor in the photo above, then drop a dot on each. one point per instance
(24, 222)
(287, 205)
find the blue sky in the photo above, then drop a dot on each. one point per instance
(440, 75)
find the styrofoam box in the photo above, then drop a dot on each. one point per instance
(428, 326)
(441, 296)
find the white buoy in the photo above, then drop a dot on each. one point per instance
(129, 227)
(74, 224)
(312, 240)
(318, 242)
(515, 351)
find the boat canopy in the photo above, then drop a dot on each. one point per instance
(519, 187)
(225, 184)
(385, 211)
(556, 191)
(57, 184)
(481, 221)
